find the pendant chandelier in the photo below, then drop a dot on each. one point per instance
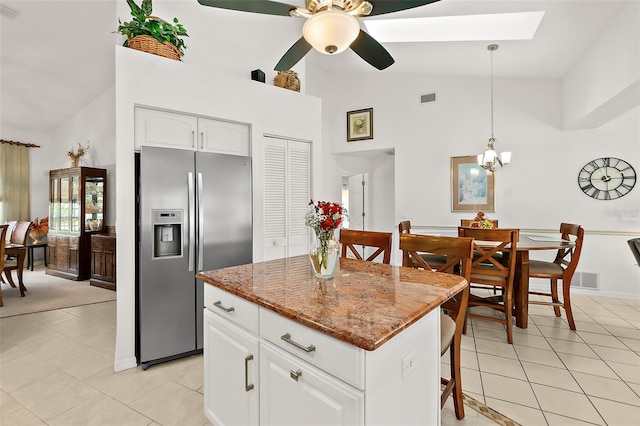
(490, 159)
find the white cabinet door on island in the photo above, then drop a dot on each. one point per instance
(293, 392)
(231, 373)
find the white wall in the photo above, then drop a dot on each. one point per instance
(605, 82)
(269, 110)
(538, 190)
(94, 123)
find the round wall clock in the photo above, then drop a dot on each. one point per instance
(607, 178)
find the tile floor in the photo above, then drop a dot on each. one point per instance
(552, 375)
(56, 369)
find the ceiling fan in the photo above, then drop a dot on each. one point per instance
(331, 25)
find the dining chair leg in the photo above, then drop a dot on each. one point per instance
(1, 302)
(508, 313)
(554, 296)
(7, 274)
(566, 300)
(458, 403)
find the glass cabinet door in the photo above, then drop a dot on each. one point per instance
(65, 210)
(94, 204)
(75, 204)
(54, 205)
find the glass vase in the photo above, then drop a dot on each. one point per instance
(323, 254)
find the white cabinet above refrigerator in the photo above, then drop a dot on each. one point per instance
(183, 131)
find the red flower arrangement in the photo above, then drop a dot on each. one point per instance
(324, 218)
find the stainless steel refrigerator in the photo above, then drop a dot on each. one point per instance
(194, 213)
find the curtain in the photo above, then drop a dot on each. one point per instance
(14, 183)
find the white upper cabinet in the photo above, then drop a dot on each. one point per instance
(184, 131)
(165, 129)
(223, 137)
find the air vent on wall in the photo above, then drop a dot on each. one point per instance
(429, 97)
(587, 280)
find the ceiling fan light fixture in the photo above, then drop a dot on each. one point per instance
(331, 31)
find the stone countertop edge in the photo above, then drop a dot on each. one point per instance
(352, 305)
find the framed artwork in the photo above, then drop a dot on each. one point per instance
(472, 187)
(360, 125)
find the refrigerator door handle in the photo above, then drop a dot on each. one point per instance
(193, 139)
(200, 224)
(192, 219)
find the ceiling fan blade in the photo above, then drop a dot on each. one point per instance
(381, 7)
(266, 7)
(371, 51)
(293, 55)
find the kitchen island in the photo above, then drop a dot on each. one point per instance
(282, 347)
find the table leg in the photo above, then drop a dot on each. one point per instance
(30, 257)
(21, 257)
(521, 290)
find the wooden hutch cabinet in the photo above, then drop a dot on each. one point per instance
(77, 205)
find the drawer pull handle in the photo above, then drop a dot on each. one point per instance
(295, 375)
(247, 386)
(287, 338)
(218, 304)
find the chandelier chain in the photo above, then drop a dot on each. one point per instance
(491, 54)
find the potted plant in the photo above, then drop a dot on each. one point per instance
(152, 34)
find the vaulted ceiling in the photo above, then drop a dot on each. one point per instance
(56, 56)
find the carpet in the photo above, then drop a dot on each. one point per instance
(46, 293)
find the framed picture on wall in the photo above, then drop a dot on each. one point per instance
(472, 187)
(360, 125)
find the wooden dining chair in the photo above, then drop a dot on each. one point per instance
(3, 233)
(11, 224)
(459, 253)
(19, 236)
(381, 241)
(488, 272)
(404, 227)
(562, 268)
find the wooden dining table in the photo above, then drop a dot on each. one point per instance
(20, 251)
(526, 244)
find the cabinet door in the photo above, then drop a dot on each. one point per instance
(223, 137)
(96, 262)
(287, 190)
(164, 129)
(109, 265)
(230, 373)
(74, 255)
(293, 392)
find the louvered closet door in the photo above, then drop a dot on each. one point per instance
(287, 190)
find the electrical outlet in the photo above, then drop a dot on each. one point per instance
(408, 363)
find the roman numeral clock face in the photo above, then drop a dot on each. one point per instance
(607, 178)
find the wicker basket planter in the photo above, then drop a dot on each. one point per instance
(146, 43)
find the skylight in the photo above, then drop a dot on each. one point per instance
(500, 26)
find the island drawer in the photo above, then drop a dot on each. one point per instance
(232, 307)
(338, 358)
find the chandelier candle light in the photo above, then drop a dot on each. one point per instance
(490, 159)
(324, 218)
